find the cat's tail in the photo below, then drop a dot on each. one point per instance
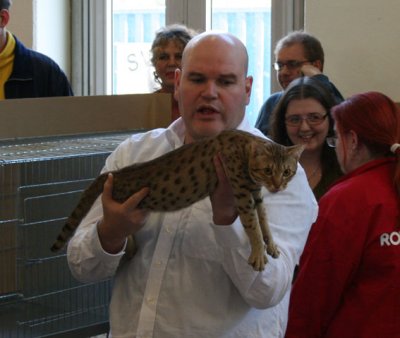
(86, 201)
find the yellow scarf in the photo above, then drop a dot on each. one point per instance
(6, 62)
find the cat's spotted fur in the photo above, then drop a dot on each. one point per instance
(186, 175)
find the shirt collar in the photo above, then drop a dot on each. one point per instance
(9, 47)
(176, 130)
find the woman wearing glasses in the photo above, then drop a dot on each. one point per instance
(348, 284)
(302, 116)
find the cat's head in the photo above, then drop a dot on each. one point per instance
(273, 165)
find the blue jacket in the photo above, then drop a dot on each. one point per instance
(35, 75)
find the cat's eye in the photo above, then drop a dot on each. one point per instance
(286, 173)
(268, 171)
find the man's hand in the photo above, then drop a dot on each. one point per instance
(222, 199)
(310, 70)
(120, 219)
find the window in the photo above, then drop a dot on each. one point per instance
(129, 28)
(250, 21)
(134, 24)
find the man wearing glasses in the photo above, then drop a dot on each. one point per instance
(297, 54)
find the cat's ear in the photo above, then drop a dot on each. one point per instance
(257, 149)
(296, 150)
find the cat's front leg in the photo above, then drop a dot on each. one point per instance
(249, 219)
(271, 247)
(248, 216)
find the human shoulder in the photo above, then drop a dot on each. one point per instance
(266, 109)
(39, 60)
(44, 61)
(272, 101)
(347, 195)
(275, 97)
(323, 78)
(28, 60)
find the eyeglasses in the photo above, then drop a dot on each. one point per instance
(313, 119)
(291, 64)
(331, 141)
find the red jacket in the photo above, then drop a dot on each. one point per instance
(348, 285)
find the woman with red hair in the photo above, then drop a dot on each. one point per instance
(348, 283)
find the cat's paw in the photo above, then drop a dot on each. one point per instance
(258, 261)
(272, 250)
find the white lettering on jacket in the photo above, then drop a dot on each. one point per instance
(390, 239)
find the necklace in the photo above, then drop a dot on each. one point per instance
(309, 178)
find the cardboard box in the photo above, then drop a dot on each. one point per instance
(38, 117)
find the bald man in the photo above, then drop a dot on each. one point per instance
(190, 276)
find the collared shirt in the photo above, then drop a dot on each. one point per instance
(190, 277)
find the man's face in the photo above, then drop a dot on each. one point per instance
(288, 57)
(212, 88)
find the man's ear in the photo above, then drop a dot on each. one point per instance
(178, 74)
(248, 87)
(318, 64)
(4, 18)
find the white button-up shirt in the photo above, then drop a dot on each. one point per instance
(190, 277)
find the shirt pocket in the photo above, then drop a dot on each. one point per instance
(198, 235)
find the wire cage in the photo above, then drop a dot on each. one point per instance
(40, 183)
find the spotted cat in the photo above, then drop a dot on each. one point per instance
(186, 175)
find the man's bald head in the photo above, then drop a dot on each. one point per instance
(209, 39)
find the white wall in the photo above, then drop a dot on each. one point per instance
(44, 25)
(21, 21)
(361, 39)
(52, 30)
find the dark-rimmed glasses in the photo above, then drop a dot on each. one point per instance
(313, 119)
(291, 64)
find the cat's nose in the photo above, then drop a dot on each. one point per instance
(274, 189)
